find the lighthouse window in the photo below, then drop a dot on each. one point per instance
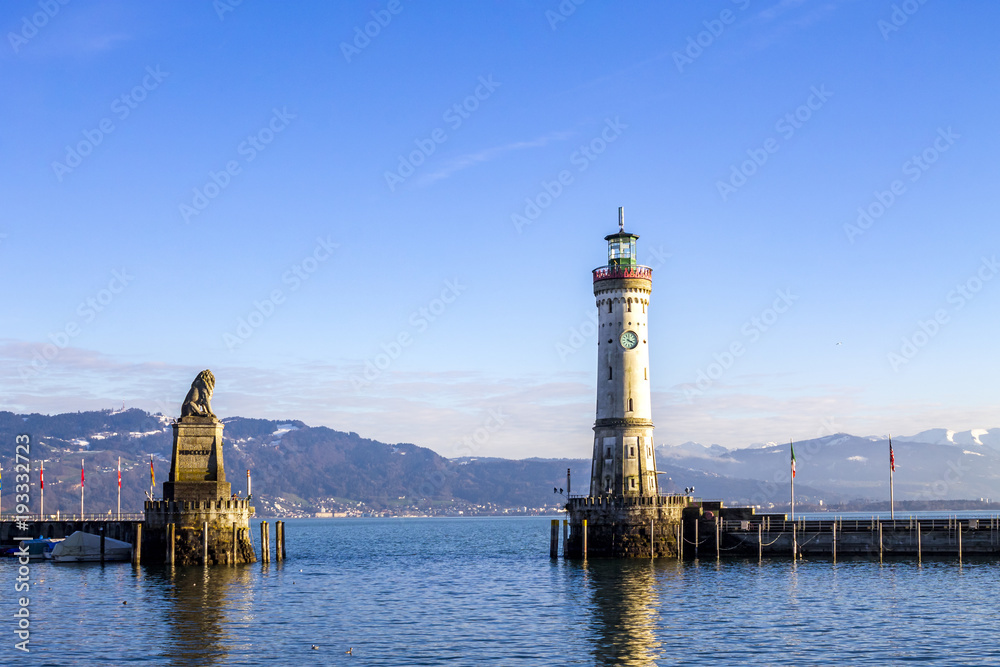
(609, 372)
(630, 305)
(644, 306)
(630, 405)
(632, 479)
(645, 374)
(607, 453)
(607, 485)
(609, 305)
(631, 452)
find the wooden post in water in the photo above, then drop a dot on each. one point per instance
(554, 539)
(279, 540)
(958, 527)
(137, 549)
(265, 547)
(284, 551)
(880, 541)
(584, 539)
(204, 543)
(760, 542)
(170, 543)
(919, 554)
(833, 530)
(717, 536)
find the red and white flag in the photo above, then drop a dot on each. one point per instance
(119, 472)
(41, 476)
(81, 473)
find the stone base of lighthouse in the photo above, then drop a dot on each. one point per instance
(183, 523)
(629, 527)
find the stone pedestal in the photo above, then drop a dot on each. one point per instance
(197, 493)
(196, 468)
(226, 519)
(620, 527)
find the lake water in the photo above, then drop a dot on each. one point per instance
(484, 592)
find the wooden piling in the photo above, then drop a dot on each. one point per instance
(958, 527)
(170, 543)
(584, 539)
(760, 542)
(565, 538)
(919, 551)
(554, 539)
(833, 530)
(137, 549)
(204, 543)
(279, 540)
(265, 546)
(880, 542)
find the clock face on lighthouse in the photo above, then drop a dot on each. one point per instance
(629, 340)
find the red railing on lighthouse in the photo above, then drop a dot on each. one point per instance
(612, 272)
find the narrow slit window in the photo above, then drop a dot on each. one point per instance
(630, 405)
(609, 372)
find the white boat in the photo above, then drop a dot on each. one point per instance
(81, 546)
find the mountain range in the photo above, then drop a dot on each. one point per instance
(301, 470)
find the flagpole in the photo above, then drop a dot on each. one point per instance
(793, 478)
(41, 479)
(82, 482)
(119, 488)
(892, 469)
(1, 492)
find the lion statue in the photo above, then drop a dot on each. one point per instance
(198, 402)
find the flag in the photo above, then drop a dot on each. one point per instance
(119, 472)
(41, 476)
(892, 459)
(793, 458)
(81, 473)
(152, 476)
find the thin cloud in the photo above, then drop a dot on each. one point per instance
(472, 159)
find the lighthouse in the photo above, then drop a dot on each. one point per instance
(623, 514)
(623, 463)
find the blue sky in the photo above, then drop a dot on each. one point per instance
(267, 191)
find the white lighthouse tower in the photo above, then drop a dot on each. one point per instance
(623, 463)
